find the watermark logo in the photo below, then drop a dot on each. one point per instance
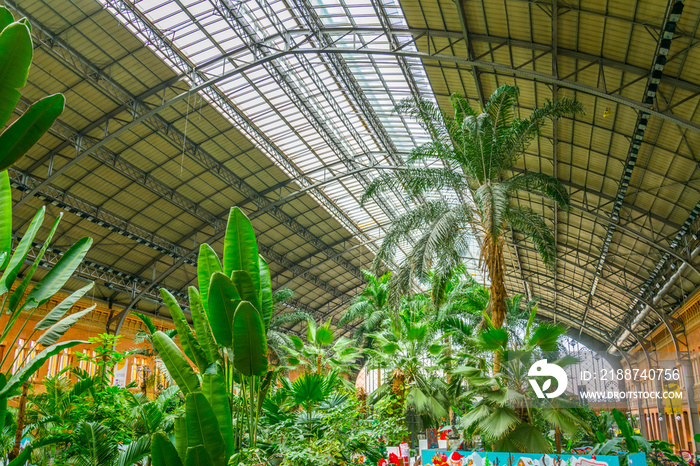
(544, 369)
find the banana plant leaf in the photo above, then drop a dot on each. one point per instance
(175, 361)
(29, 368)
(214, 389)
(249, 341)
(26, 131)
(15, 59)
(246, 289)
(203, 428)
(202, 327)
(198, 456)
(266, 301)
(57, 330)
(190, 345)
(163, 452)
(207, 265)
(5, 219)
(241, 247)
(223, 301)
(59, 273)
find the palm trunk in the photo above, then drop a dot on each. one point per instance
(398, 388)
(496, 268)
(20, 421)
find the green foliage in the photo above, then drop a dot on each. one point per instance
(16, 54)
(231, 313)
(477, 151)
(326, 428)
(323, 352)
(502, 407)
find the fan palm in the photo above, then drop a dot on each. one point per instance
(370, 308)
(477, 151)
(404, 350)
(323, 352)
(507, 412)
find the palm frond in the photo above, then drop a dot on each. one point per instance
(147, 322)
(493, 203)
(542, 184)
(281, 295)
(537, 230)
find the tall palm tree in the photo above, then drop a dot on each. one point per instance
(476, 152)
(371, 308)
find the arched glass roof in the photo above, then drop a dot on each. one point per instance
(179, 109)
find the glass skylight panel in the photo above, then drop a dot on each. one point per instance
(315, 79)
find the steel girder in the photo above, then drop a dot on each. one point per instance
(300, 98)
(89, 71)
(85, 210)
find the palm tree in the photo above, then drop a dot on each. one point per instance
(477, 151)
(277, 333)
(323, 352)
(505, 409)
(371, 308)
(404, 350)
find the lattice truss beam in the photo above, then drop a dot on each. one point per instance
(338, 47)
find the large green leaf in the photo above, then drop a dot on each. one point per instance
(15, 59)
(202, 327)
(163, 452)
(223, 300)
(214, 389)
(190, 345)
(207, 265)
(10, 274)
(17, 295)
(59, 273)
(5, 18)
(175, 361)
(324, 335)
(266, 301)
(626, 430)
(28, 369)
(530, 439)
(26, 131)
(181, 437)
(203, 428)
(494, 339)
(56, 331)
(199, 456)
(61, 308)
(240, 246)
(249, 341)
(246, 288)
(5, 219)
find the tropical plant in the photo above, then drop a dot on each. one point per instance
(504, 409)
(407, 351)
(370, 309)
(323, 352)
(20, 305)
(316, 420)
(277, 333)
(231, 313)
(16, 53)
(144, 340)
(477, 150)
